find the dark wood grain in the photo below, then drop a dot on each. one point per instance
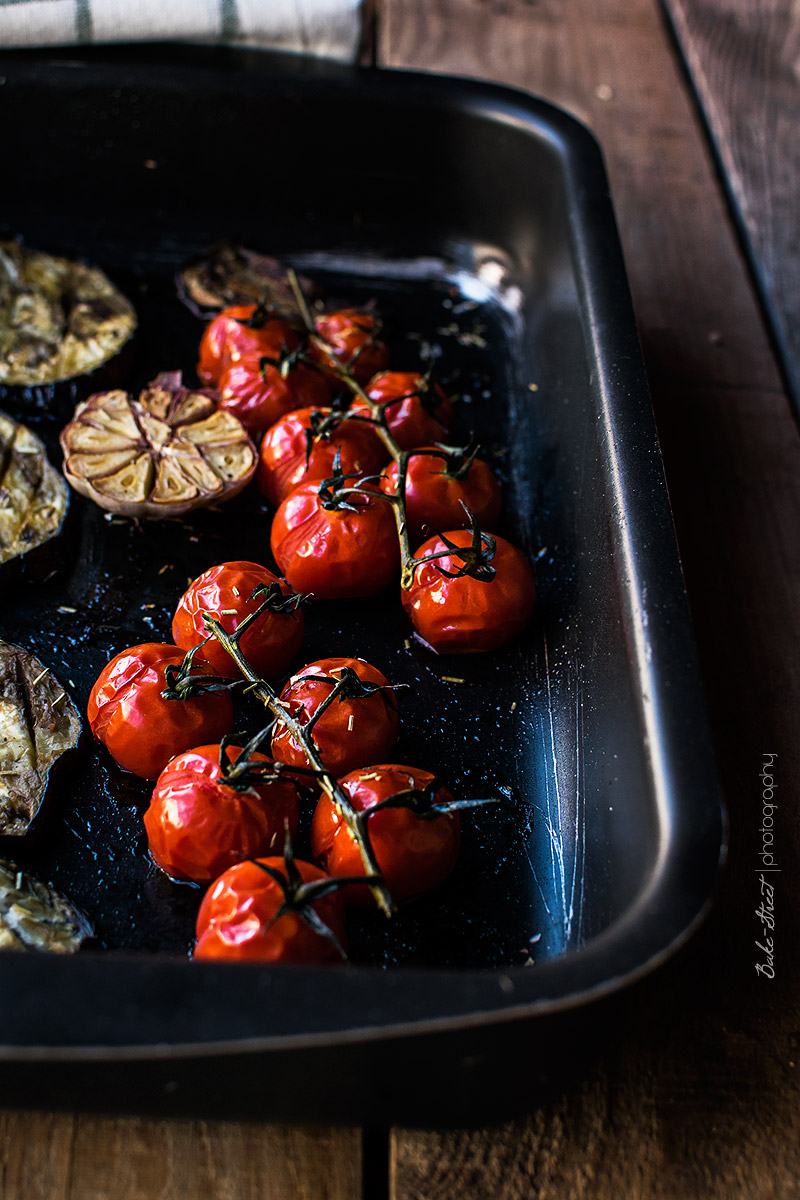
(698, 1093)
(744, 60)
(73, 1157)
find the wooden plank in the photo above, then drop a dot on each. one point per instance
(75, 1157)
(698, 1094)
(744, 59)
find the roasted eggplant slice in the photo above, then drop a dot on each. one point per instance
(162, 455)
(38, 723)
(58, 319)
(33, 496)
(34, 916)
(230, 275)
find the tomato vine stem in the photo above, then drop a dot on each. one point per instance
(377, 418)
(330, 786)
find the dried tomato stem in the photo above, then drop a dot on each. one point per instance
(400, 456)
(377, 417)
(330, 786)
(300, 300)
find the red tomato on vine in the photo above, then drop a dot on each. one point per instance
(142, 728)
(358, 725)
(456, 613)
(234, 330)
(270, 911)
(414, 852)
(303, 445)
(416, 410)
(438, 486)
(335, 548)
(255, 361)
(351, 340)
(227, 592)
(202, 820)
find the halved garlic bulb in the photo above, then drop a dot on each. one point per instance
(162, 455)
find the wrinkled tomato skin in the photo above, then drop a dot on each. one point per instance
(434, 498)
(234, 921)
(258, 394)
(141, 730)
(413, 854)
(282, 459)
(198, 826)
(336, 554)
(350, 733)
(411, 421)
(232, 355)
(350, 336)
(269, 645)
(466, 615)
(227, 332)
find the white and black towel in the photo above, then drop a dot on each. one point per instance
(329, 28)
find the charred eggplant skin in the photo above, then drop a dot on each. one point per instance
(38, 724)
(34, 505)
(228, 275)
(59, 319)
(34, 916)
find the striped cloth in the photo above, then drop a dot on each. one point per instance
(328, 28)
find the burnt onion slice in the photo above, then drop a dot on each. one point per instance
(170, 451)
(34, 916)
(38, 723)
(58, 319)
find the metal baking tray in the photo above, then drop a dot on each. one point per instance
(479, 220)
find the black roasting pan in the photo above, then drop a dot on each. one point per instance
(478, 219)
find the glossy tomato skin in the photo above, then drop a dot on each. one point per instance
(351, 732)
(351, 338)
(336, 554)
(258, 394)
(466, 615)
(414, 854)
(417, 413)
(228, 332)
(434, 498)
(198, 825)
(236, 915)
(141, 730)
(282, 462)
(224, 591)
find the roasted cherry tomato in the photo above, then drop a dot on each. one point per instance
(252, 358)
(414, 853)
(236, 330)
(417, 411)
(351, 340)
(436, 491)
(259, 391)
(225, 592)
(141, 729)
(355, 729)
(238, 917)
(302, 446)
(335, 552)
(199, 823)
(464, 615)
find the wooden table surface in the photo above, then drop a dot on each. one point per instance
(696, 106)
